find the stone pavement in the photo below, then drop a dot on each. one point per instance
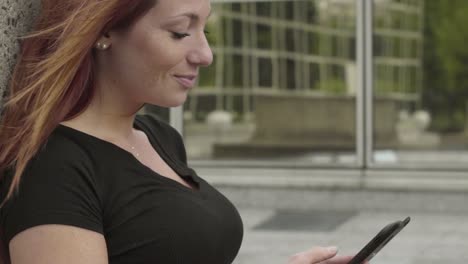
(274, 231)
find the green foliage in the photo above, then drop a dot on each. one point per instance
(446, 63)
(208, 74)
(451, 35)
(385, 87)
(211, 29)
(447, 121)
(333, 86)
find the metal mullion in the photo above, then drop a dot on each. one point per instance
(368, 93)
(360, 91)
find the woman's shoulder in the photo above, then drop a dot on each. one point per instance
(58, 186)
(61, 153)
(57, 156)
(64, 145)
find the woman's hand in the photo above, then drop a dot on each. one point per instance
(319, 255)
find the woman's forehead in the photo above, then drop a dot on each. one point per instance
(172, 8)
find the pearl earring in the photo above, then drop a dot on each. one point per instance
(102, 46)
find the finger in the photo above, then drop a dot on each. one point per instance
(318, 254)
(337, 260)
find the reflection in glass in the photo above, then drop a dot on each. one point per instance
(282, 86)
(420, 81)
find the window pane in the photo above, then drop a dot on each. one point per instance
(421, 83)
(283, 81)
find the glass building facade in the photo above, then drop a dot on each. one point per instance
(373, 87)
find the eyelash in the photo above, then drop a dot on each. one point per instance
(178, 35)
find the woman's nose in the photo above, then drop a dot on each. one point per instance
(201, 54)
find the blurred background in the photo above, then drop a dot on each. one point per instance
(289, 81)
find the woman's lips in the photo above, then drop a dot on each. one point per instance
(186, 80)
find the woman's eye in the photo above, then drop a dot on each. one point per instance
(178, 35)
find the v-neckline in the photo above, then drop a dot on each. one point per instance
(157, 147)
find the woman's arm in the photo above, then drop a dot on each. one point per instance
(50, 244)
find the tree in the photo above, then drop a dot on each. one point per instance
(446, 63)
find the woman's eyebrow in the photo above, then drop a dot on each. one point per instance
(190, 15)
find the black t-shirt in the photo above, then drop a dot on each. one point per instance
(80, 180)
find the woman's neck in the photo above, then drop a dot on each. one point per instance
(109, 123)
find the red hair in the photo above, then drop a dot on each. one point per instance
(53, 78)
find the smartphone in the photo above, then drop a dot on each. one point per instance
(379, 241)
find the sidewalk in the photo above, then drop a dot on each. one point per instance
(273, 231)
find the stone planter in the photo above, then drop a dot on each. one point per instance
(295, 124)
(320, 120)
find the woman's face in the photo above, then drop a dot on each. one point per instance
(156, 61)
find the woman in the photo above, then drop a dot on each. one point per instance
(86, 180)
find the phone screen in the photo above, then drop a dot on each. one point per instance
(379, 241)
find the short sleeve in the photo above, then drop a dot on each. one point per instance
(56, 188)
